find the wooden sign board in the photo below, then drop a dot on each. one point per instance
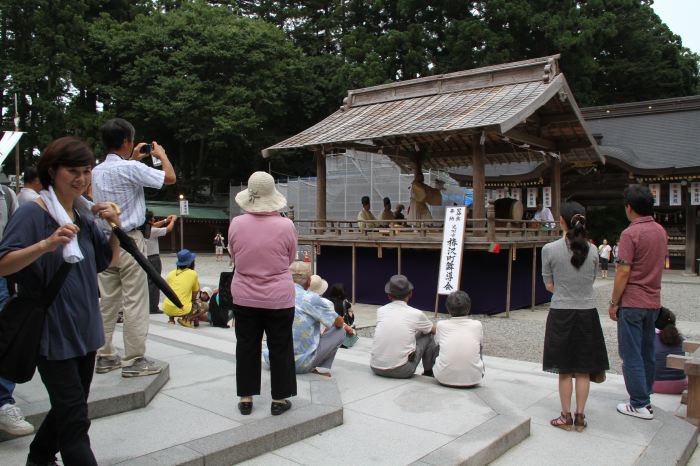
(694, 193)
(674, 194)
(452, 249)
(547, 196)
(531, 197)
(656, 192)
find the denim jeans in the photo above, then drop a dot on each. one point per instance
(635, 338)
(6, 387)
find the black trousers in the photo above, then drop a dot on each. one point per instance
(277, 324)
(153, 290)
(65, 427)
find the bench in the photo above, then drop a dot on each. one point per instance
(690, 364)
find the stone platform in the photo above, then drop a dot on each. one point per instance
(359, 418)
(110, 394)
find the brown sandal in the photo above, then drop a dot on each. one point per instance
(580, 422)
(563, 422)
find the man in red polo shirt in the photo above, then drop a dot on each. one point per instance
(636, 298)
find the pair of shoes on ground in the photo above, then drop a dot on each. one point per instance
(276, 408)
(157, 311)
(646, 412)
(566, 422)
(12, 421)
(188, 323)
(141, 366)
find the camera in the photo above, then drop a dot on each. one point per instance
(146, 149)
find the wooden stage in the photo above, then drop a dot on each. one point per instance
(363, 259)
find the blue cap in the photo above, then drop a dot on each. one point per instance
(185, 257)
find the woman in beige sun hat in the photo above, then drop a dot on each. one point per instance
(263, 244)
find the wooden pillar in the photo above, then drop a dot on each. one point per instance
(534, 278)
(478, 183)
(398, 256)
(556, 189)
(354, 270)
(690, 235)
(321, 189)
(509, 282)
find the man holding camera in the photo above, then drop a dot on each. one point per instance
(121, 179)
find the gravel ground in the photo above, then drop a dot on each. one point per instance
(522, 336)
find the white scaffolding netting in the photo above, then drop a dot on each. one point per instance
(353, 174)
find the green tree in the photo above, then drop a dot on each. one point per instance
(213, 86)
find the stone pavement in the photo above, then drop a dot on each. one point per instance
(384, 421)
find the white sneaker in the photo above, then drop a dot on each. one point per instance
(12, 421)
(629, 410)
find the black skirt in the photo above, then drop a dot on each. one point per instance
(574, 343)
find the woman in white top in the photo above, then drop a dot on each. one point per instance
(460, 342)
(573, 343)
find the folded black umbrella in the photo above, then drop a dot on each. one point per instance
(129, 246)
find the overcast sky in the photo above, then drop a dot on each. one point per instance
(682, 17)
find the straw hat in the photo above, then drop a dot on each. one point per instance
(261, 195)
(318, 285)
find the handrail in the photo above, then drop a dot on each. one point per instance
(491, 228)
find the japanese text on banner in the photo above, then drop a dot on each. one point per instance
(452, 247)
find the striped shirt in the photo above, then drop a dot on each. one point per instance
(122, 182)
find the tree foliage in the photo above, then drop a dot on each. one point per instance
(216, 81)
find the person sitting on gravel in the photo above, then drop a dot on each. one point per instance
(403, 336)
(185, 283)
(313, 351)
(459, 344)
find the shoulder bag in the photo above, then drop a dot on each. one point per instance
(21, 325)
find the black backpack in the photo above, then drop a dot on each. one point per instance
(219, 316)
(225, 298)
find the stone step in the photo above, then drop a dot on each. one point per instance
(109, 394)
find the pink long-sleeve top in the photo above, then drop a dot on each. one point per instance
(262, 245)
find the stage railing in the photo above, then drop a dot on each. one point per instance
(484, 229)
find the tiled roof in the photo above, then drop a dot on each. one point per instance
(518, 110)
(660, 134)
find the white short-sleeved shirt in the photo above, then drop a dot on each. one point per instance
(459, 363)
(26, 195)
(544, 215)
(395, 334)
(604, 251)
(122, 182)
(152, 247)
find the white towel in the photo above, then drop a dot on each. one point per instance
(71, 252)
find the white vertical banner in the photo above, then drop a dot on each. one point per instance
(532, 197)
(547, 196)
(694, 193)
(515, 193)
(674, 194)
(656, 192)
(488, 195)
(452, 248)
(184, 207)
(501, 193)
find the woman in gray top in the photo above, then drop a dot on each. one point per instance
(573, 343)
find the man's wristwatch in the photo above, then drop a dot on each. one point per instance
(612, 303)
